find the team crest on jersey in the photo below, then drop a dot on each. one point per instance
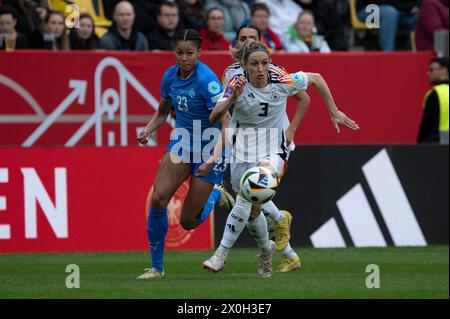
(191, 92)
(275, 96)
(213, 87)
(296, 77)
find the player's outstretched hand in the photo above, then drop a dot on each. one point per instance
(289, 134)
(143, 137)
(239, 86)
(339, 118)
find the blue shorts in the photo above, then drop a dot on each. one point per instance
(217, 173)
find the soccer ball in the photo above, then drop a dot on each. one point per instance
(258, 185)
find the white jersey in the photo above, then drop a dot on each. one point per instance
(236, 69)
(259, 116)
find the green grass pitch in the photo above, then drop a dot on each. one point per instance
(326, 273)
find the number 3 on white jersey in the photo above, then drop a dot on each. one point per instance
(264, 109)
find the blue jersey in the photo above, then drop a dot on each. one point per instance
(194, 137)
(193, 98)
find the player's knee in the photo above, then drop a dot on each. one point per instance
(266, 164)
(159, 200)
(188, 223)
(255, 211)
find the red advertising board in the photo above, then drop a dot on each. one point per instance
(103, 98)
(85, 199)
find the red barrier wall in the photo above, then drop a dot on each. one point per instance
(85, 199)
(381, 91)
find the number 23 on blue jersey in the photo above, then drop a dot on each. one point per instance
(182, 103)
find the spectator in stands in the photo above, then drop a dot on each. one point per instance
(145, 20)
(435, 119)
(236, 12)
(192, 14)
(55, 31)
(433, 17)
(123, 34)
(168, 19)
(303, 37)
(328, 22)
(283, 14)
(84, 37)
(259, 17)
(8, 22)
(393, 14)
(212, 37)
(144, 10)
(29, 21)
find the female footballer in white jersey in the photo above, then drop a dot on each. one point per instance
(279, 220)
(260, 103)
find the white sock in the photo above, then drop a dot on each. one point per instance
(236, 221)
(258, 229)
(272, 211)
(289, 252)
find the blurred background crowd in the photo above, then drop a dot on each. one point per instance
(286, 25)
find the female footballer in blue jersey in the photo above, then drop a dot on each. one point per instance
(193, 90)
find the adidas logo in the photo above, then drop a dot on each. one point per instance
(264, 181)
(359, 218)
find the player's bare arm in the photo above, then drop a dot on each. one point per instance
(157, 120)
(337, 117)
(303, 102)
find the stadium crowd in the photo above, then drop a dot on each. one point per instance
(286, 25)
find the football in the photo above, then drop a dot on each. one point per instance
(258, 185)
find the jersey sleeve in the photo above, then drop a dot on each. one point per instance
(225, 77)
(211, 90)
(301, 80)
(231, 71)
(290, 84)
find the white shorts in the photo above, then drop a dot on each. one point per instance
(238, 169)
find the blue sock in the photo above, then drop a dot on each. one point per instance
(157, 226)
(210, 203)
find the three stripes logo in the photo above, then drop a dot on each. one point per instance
(231, 227)
(359, 218)
(264, 181)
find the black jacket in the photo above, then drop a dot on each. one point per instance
(159, 40)
(112, 40)
(21, 43)
(77, 43)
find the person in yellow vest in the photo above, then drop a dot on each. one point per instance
(435, 118)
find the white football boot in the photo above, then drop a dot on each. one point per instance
(216, 262)
(265, 265)
(151, 273)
